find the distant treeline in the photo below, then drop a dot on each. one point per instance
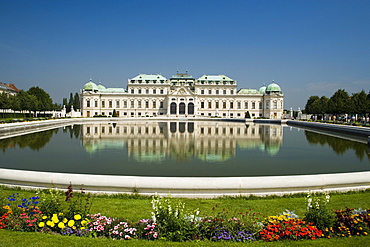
(33, 100)
(340, 103)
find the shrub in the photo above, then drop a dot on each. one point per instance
(317, 211)
(173, 222)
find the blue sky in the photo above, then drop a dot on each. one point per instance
(307, 47)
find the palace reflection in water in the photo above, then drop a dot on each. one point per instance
(211, 141)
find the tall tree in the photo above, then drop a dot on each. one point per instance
(44, 100)
(76, 102)
(339, 103)
(311, 105)
(70, 102)
(5, 101)
(359, 102)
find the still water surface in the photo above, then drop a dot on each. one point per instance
(183, 149)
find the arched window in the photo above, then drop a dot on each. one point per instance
(173, 108)
(182, 108)
(191, 108)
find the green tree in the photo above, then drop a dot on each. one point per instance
(359, 102)
(76, 102)
(324, 104)
(312, 104)
(44, 101)
(339, 103)
(5, 101)
(70, 102)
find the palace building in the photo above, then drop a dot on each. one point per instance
(182, 96)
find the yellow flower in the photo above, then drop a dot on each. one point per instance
(82, 228)
(77, 217)
(71, 223)
(55, 218)
(84, 223)
(44, 217)
(61, 225)
(365, 233)
(74, 227)
(50, 223)
(41, 224)
(65, 220)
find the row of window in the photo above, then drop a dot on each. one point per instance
(223, 105)
(217, 91)
(203, 105)
(147, 91)
(147, 81)
(140, 104)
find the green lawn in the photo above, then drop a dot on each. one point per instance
(138, 207)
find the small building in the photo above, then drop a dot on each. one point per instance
(8, 88)
(182, 96)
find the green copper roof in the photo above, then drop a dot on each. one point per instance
(215, 78)
(113, 90)
(90, 86)
(101, 87)
(273, 87)
(262, 89)
(182, 76)
(248, 91)
(149, 77)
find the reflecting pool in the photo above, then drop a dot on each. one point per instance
(183, 149)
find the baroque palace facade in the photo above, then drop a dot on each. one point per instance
(182, 96)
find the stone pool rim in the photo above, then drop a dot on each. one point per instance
(195, 187)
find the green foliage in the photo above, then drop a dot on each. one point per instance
(170, 216)
(318, 212)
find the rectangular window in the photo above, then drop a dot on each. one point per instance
(110, 104)
(246, 105)
(139, 91)
(217, 105)
(154, 104)
(117, 130)
(147, 91)
(96, 103)
(161, 104)
(209, 91)
(161, 91)
(253, 105)
(154, 91)
(139, 104)
(146, 104)
(209, 104)
(224, 91)
(132, 104)
(201, 104)
(88, 130)
(103, 130)
(124, 104)
(239, 105)
(88, 103)
(224, 105)
(132, 91)
(202, 91)
(110, 130)
(231, 105)
(217, 92)
(103, 104)
(267, 105)
(117, 104)
(275, 105)
(260, 105)
(231, 91)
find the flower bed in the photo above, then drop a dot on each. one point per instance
(69, 214)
